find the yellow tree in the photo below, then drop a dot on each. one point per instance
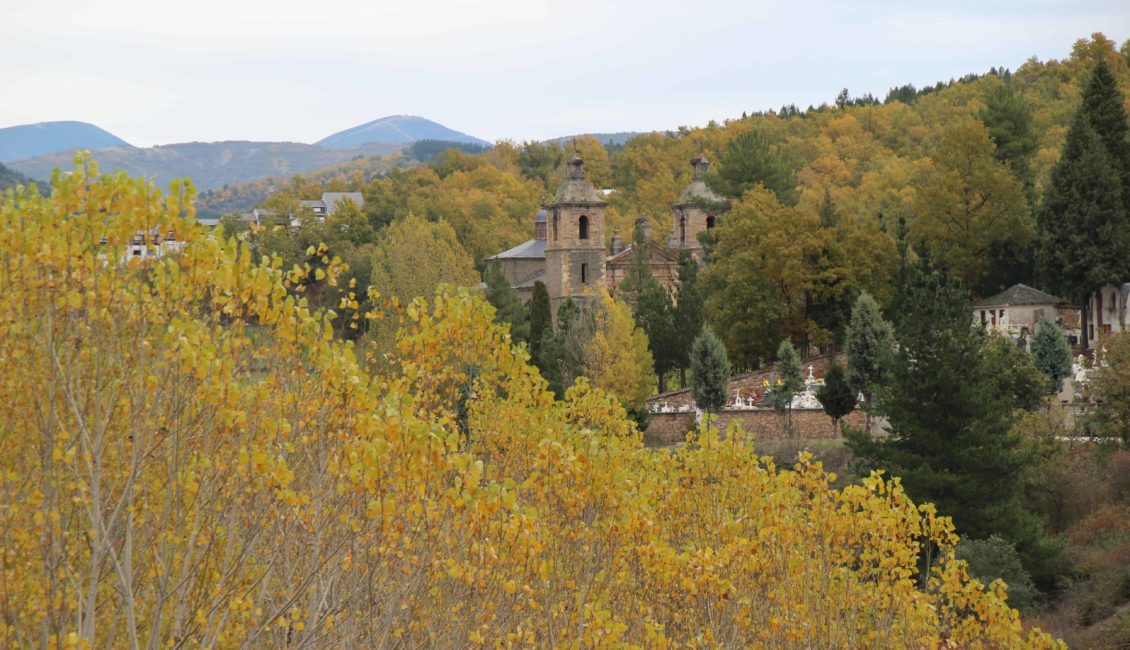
(968, 203)
(617, 358)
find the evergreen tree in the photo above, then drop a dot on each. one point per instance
(870, 344)
(710, 372)
(748, 160)
(507, 303)
(1009, 120)
(541, 318)
(953, 397)
(1084, 228)
(690, 313)
(651, 307)
(551, 358)
(837, 396)
(1051, 353)
(790, 380)
(1104, 107)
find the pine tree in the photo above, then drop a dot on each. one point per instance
(870, 344)
(1104, 107)
(690, 313)
(1051, 353)
(953, 396)
(507, 303)
(790, 380)
(1009, 120)
(748, 160)
(837, 396)
(551, 359)
(651, 308)
(710, 372)
(541, 317)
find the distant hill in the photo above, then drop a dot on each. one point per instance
(10, 178)
(619, 137)
(30, 140)
(208, 164)
(396, 129)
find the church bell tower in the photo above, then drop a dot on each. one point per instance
(574, 251)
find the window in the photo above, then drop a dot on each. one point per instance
(983, 319)
(683, 228)
(583, 227)
(554, 225)
(584, 272)
(709, 221)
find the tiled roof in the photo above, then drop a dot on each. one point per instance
(1020, 294)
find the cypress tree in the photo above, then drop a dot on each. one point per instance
(870, 342)
(710, 372)
(690, 313)
(507, 303)
(1104, 107)
(1051, 353)
(790, 380)
(541, 318)
(836, 396)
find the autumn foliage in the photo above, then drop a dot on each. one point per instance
(190, 458)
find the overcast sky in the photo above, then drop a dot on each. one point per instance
(156, 71)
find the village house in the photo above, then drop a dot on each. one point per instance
(320, 208)
(1106, 310)
(568, 252)
(1015, 312)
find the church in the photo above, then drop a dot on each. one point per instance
(568, 253)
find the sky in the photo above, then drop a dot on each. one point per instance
(158, 72)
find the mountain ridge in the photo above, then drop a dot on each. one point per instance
(41, 138)
(401, 129)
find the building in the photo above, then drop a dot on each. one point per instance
(320, 208)
(1106, 313)
(568, 251)
(1015, 312)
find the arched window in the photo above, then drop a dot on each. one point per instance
(583, 227)
(709, 221)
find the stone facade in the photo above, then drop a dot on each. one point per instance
(807, 424)
(568, 251)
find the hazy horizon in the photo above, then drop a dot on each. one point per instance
(292, 71)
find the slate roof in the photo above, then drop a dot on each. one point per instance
(1020, 294)
(331, 199)
(533, 249)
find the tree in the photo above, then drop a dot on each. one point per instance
(1051, 353)
(617, 358)
(952, 399)
(748, 160)
(837, 397)
(1104, 107)
(1009, 121)
(552, 359)
(870, 344)
(541, 318)
(968, 203)
(690, 313)
(1111, 387)
(507, 303)
(651, 307)
(710, 372)
(790, 380)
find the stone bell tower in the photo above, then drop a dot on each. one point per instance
(696, 210)
(574, 250)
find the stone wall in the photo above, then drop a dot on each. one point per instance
(765, 424)
(749, 383)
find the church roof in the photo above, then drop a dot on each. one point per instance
(576, 188)
(533, 249)
(1020, 294)
(657, 253)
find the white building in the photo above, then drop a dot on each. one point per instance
(1106, 312)
(1015, 312)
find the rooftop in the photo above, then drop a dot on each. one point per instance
(1020, 294)
(534, 248)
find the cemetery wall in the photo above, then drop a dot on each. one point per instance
(766, 424)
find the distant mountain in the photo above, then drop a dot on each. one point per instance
(208, 164)
(619, 137)
(30, 140)
(396, 129)
(10, 178)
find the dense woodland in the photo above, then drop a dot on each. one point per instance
(488, 460)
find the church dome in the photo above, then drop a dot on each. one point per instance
(576, 188)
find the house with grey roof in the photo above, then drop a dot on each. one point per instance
(1015, 312)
